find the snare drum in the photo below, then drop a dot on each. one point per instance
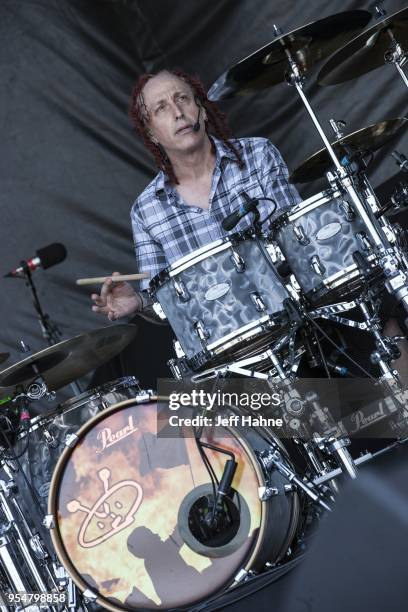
(221, 297)
(127, 505)
(318, 239)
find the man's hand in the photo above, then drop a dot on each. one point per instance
(116, 300)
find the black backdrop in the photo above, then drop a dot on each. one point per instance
(71, 166)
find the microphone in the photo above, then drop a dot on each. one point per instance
(46, 257)
(401, 160)
(233, 219)
(196, 126)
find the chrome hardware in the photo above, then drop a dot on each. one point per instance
(364, 241)
(266, 493)
(238, 261)
(71, 440)
(348, 210)
(158, 310)
(178, 350)
(48, 521)
(300, 235)
(317, 266)
(257, 301)
(201, 331)
(181, 291)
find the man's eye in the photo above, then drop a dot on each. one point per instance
(160, 108)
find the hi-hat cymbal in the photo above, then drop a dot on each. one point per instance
(308, 45)
(67, 361)
(366, 51)
(4, 357)
(369, 138)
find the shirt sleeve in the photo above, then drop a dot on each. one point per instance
(275, 178)
(150, 257)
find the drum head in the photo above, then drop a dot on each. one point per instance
(122, 501)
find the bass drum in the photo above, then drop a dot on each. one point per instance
(126, 505)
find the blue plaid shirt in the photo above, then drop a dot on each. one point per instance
(165, 228)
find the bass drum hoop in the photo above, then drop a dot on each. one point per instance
(54, 490)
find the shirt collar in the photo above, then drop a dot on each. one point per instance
(221, 152)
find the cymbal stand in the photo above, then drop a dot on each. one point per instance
(50, 330)
(396, 278)
(396, 55)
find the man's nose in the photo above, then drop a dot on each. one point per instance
(178, 111)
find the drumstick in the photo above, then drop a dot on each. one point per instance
(117, 278)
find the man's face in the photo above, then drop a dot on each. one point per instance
(172, 113)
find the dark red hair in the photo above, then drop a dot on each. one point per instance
(216, 120)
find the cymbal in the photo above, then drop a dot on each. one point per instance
(366, 51)
(370, 138)
(308, 45)
(4, 357)
(66, 361)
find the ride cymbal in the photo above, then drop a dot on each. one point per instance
(67, 361)
(370, 138)
(307, 45)
(366, 51)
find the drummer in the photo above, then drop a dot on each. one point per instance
(202, 176)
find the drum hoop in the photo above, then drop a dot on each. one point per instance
(54, 489)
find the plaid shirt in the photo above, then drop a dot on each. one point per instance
(166, 229)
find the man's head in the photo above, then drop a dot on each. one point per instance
(165, 106)
(171, 108)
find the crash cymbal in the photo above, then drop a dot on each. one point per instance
(308, 45)
(67, 361)
(369, 138)
(4, 357)
(366, 51)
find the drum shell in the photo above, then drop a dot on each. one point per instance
(319, 215)
(270, 542)
(227, 314)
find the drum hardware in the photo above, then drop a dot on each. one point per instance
(351, 149)
(359, 461)
(338, 447)
(227, 275)
(381, 44)
(68, 360)
(182, 469)
(272, 459)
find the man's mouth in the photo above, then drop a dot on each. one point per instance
(185, 128)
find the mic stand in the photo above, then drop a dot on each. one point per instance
(50, 330)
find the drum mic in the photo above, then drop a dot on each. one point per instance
(233, 219)
(46, 257)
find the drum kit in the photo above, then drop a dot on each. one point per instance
(140, 521)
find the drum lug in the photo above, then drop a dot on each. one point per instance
(364, 241)
(288, 488)
(300, 235)
(348, 210)
(181, 291)
(238, 262)
(257, 301)
(159, 310)
(242, 574)
(201, 331)
(90, 595)
(266, 493)
(317, 266)
(178, 350)
(71, 440)
(48, 521)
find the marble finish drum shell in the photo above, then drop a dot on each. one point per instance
(318, 239)
(117, 497)
(216, 289)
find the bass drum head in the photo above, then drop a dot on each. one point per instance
(125, 504)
